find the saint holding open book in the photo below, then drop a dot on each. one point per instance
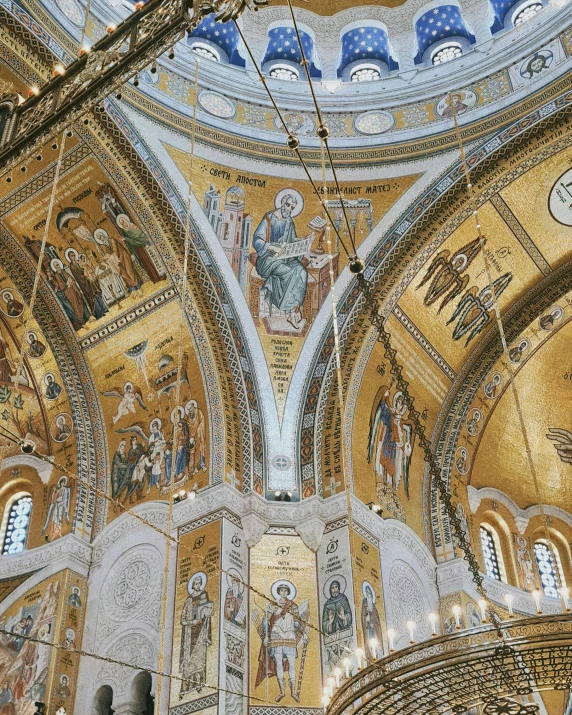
(278, 261)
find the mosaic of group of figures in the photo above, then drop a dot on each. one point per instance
(98, 260)
(31, 669)
(154, 407)
(101, 263)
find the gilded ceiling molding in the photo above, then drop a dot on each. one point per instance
(355, 156)
(38, 44)
(405, 248)
(42, 557)
(43, 468)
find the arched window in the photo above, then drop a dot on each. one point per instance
(284, 72)
(525, 12)
(547, 569)
(492, 554)
(15, 524)
(365, 73)
(204, 50)
(446, 52)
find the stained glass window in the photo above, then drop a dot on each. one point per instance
(17, 523)
(547, 569)
(490, 556)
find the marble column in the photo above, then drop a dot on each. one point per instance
(329, 59)
(405, 45)
(128, 707)
(255, 29)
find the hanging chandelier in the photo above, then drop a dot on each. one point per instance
(463, 670)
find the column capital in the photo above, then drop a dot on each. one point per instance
(454, 576)
(405, 45)
(328, 56)
(479, 17)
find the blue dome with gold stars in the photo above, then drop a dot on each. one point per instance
(283, 45)
(438, 24)
(225, 35)
(366, 43)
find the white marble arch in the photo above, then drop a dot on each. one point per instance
(42, 467)
(408, 573)
(124, 607)
(521, 516)
(409, 588)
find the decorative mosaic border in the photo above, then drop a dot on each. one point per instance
(33, 34)
(128, 317)
(195, 706)
(208, 519)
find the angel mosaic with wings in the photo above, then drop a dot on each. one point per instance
(128, 396)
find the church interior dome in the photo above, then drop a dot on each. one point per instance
(285, 379)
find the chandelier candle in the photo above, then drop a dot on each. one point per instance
(483, 607)
(410, 625)
(433, 622)
(391, 639)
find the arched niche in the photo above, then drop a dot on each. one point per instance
(141, 693)
(102, 701)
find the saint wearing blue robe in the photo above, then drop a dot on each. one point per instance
(285, 280)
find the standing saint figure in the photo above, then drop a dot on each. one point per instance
(525, 563)
(196, 426)
(370, 623)
(120, 472)
(285, 279)
(337, 614)
(7, 368)
(58, 510)
(137, 241)
(121, 262)
(282, 631)
(196, 635)
(390, 440)
(68, 294)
